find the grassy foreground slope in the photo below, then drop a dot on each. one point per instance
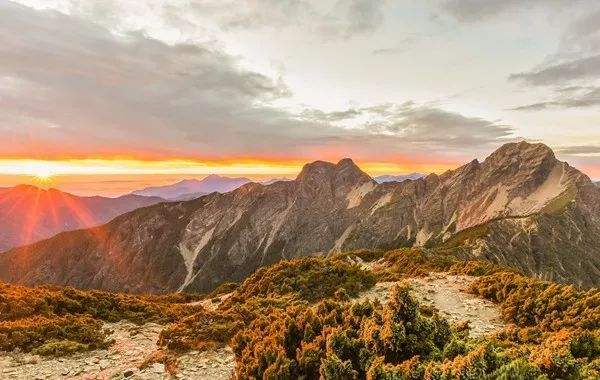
(297, 319)
(51, 320)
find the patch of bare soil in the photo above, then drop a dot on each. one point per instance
(447, 293)
(212, 303)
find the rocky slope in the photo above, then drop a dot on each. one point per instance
(520, 206)
(29, 214)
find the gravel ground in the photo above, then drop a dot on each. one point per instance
(447, 293)
(122, 360)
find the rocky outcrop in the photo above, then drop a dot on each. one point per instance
(520, 206)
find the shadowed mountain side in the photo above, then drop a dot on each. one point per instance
(29, 214)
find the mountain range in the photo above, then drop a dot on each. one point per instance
(188, 189)
(519, 207)
(29, 214)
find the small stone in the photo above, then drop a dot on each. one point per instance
(104, 364)
(128, 373)
(158, 368)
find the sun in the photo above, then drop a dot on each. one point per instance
(42, 173)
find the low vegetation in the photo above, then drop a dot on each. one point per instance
(52, 335)
(415, 262)
(529, 302)
(50, 320)
(293, 320)
(339, 339)
(282, 286)
(21, 301)
(308, 279)
(297, 319)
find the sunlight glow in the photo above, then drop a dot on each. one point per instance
(44, 170)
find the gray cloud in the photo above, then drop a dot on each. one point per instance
(579, 149)
(257, 14)
(322, 116)
(73, 82)
(404, 44)
(584, 33)
(573, 72)
(347, 18)
(560, 73)
(387, 51)
(198, 19)
(473, 10)
(363, 16)
(72, 87)
(574, 97)
(424, 125)
(479, 10)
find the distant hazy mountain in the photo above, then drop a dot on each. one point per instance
(519, 207)
(29, 214)
(193, 188)
(398, 178)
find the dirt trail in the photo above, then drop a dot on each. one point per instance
(132, 345)
(212, 303)
(447, 293)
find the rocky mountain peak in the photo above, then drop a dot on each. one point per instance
(533, 153)
(322, 177)
(345, 171)
(348, 171)
(522, 166)
(347, 163)
(314, 170)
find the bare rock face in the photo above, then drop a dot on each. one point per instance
(520, 207)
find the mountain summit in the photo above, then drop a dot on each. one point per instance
(321, 178)
(520, 207)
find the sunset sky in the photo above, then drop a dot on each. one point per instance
(116, 94)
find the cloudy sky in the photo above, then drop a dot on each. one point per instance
(261, 86)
